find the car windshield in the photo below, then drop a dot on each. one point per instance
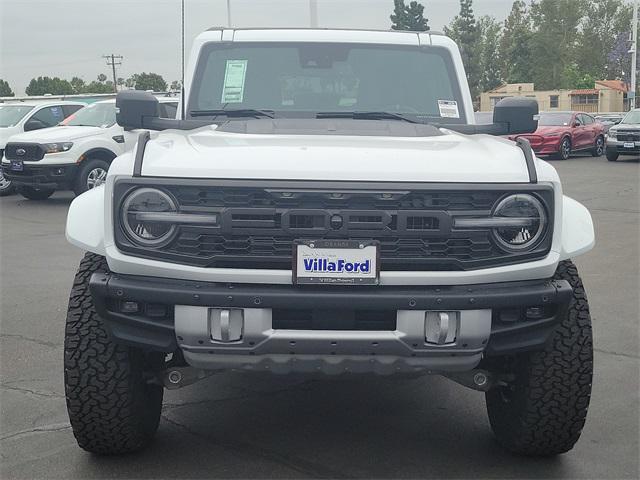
(10, 115)
(554, 119)
(94, 115)
(632, 117)
(304, 80)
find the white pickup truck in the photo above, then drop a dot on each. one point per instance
(327, 204)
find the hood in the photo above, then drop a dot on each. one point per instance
(451, 157)
(626, 126)
(6, 133)
(56, 134)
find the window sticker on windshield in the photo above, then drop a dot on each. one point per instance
(448, 109)
(234, 76)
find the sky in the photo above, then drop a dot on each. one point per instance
(67, 38)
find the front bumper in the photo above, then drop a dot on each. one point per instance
(57, 176)
(490, 319)
(622, 148)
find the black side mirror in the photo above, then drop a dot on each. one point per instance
(517, 115)
(33, 124)
(136, 109)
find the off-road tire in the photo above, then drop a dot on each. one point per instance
(113, 405)
(598, 148)
(33, 193)
(542, 412)
(80, 185)
(612, 156)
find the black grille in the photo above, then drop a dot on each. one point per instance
(24, 151)
(260, 224)
(626, 136)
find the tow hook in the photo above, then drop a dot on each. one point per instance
(178, 377)
(478, 379)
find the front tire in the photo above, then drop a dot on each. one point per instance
(113, 407)
(92, 174)
(565, 149)
(542, 412)
(598, 149)
(33, 193)
(612, 156)
(6, 187)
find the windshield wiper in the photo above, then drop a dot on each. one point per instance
(367, 116)
(242, 112)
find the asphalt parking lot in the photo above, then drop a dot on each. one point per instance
(246, 426)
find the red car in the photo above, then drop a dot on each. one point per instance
(561, 133)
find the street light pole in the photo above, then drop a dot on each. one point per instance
(634, 55)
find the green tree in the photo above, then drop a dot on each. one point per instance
(603, 22)
(490, 54)
(515, 45)
(98, 87)
(465, 32)
(409, 17)
(131, 81)
(102, 78)
(48, 85)
(150, 81)
(78, 85)
(553, 45)
(5, 89)
(175, 85)
(120, 82)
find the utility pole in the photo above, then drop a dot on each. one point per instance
(313, 13)
(111, 62)
(634, 56)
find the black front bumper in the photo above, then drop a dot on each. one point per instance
(152, 327)
(43, 176)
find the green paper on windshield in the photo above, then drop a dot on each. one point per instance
(234, 76)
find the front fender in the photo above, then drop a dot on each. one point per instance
(578, 236)
(85, 221)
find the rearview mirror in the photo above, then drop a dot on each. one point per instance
(136, 109)
(516, 115)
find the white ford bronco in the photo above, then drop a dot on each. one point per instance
(326, 203)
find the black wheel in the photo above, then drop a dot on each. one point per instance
(598, 149)
(113, 404)
(543, 410)
(92, 174)
(612, 156)
(564, 151)
(6, 187)
(34, 193)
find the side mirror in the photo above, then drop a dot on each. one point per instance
(516, 115)
(33, 124)
(136, 109)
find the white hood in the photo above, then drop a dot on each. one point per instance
(56, 134)
(205, 153)
(6, 133)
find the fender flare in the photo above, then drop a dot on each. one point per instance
(578, 234)
(86, 222)
(99, 152)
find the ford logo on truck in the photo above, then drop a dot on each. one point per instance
(21, 151)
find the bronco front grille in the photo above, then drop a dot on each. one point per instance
(24, 151)
(259, 223)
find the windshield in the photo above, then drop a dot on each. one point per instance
(94, 115)
(632, 117)
(12, 114)
(303, 79)
(554, 119)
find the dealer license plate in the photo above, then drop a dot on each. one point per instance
(336, 262)
(629, 145)
(17, 165)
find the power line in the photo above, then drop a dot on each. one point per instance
(111, 62)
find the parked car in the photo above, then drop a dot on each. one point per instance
(74, 155)
(17, 117)
(609, 119)
(624, 138)
(326, 224)
(560, 134)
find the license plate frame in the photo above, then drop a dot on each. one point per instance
(351, 251)
(629, 145)
(16, 166)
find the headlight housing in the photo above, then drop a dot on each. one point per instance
(613, 134)
(146, 216)
(521, 221)
(57, 147)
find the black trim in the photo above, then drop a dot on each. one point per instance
(110, 290)
(525, 146)
(143, 138)
(43, 176)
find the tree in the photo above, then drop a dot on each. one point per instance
(78, 85)
(131, 81)
(5, 89)
(515, 45)
(149, 81)
(120, 82)
(490, 54)
(464, 31)
(409, 17)
(47, 85)
(102, 78)
(175, 85)
(553, 44)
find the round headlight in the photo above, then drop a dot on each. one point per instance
(140, 220)
(525, 222)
